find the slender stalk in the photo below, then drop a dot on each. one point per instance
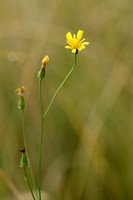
(41, 136)
(25, 173)
(44, 115)
(51, 102)
(26, 151)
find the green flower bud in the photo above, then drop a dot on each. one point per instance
(41, 73)
(23, 161)
(21, 103)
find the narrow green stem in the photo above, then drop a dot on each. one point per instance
(26, 151)
(44, 115)
(25, 173)
(51, 102)
(41, 136)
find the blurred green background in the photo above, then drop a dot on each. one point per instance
(88, 136)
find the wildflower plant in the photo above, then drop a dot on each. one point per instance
(76, 44)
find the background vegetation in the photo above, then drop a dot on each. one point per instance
(88, 143)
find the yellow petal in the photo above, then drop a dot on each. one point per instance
(85, 43)
(74, 36)
(81, 48)
(69, 37)
(79, 35)
(69, 43)
(68, 47)
(74, 51)
(82, 40)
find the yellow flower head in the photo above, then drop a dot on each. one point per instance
(45, 61)
(20, 90)
(76, 44)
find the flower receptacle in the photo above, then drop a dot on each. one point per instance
(24, 161)
(41, 73)
(21, 103)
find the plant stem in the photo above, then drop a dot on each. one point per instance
(44, 115)
(51, 102)
(25, 173)
(26, 151)
(41, 136)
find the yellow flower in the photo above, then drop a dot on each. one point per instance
(45, 61)
(76, 44)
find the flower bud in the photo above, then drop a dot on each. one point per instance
(45, 61)
(23, 161)
(20, 92)
(41, 73)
